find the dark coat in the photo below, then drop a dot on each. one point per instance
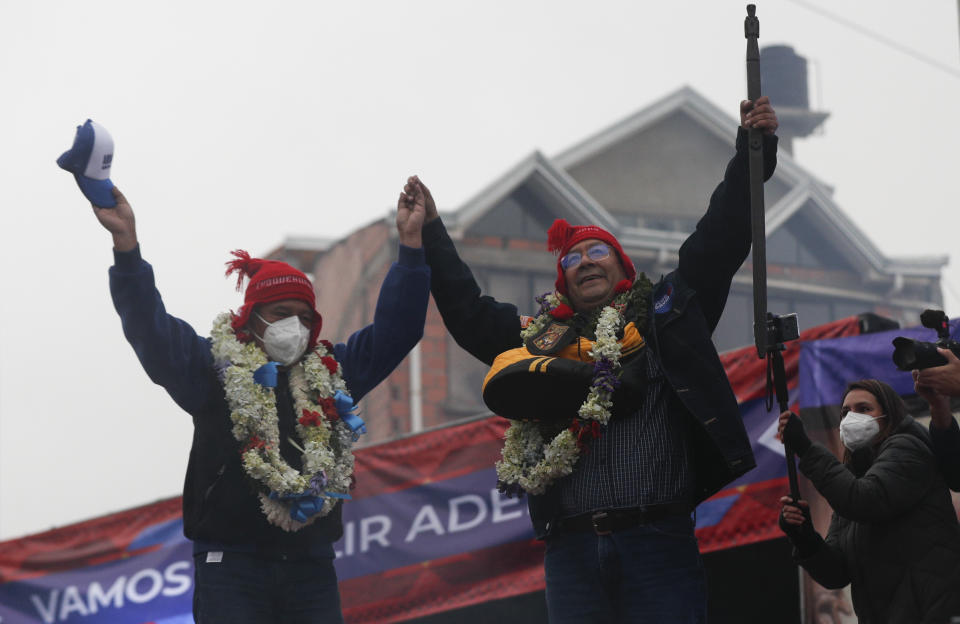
(946, 446)
(685, 308)
(894, 535)
(220, 507)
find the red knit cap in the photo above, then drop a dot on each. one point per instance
(562, 236)
(271, 280)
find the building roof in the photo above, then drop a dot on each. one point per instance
(548, 179)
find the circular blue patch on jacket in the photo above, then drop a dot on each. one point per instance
(663, 301)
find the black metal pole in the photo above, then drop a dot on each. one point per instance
(762, 322)
(783, 401)
(751, 29)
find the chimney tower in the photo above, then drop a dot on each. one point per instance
(783, 74)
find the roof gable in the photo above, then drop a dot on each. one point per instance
(700, 110)
(811, 202)
(534, 185)
(661, 174)
(541, 189)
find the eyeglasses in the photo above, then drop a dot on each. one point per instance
(596, 252)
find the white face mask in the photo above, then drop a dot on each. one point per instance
(858, 430)
(285, 340)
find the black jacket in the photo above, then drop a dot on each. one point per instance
(894, 536)
(946, 446)
(685, 309)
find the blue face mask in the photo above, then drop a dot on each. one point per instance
(285, 341)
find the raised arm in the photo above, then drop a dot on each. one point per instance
(480, 324)
(944, 432)
(370, 354)
(119, 221)
(713, 253)
(169, 350)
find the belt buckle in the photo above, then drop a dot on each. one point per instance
(596, 519)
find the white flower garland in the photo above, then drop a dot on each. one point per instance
(529, 463)
(326, 446)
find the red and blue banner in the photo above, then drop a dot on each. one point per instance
(827, 365)
(426, 530)
(132, 566)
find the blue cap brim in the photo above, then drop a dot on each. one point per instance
(74, 159)
(99, 192)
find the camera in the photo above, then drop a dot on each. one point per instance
(782, 328)
(910, 354)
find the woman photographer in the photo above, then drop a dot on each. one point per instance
(894, 535)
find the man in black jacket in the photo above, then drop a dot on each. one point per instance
(614, 474)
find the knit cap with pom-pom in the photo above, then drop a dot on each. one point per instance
(270, 280)
(562, 236)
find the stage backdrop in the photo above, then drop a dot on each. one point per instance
(427, 530)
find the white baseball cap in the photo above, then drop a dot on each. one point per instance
(89, 161)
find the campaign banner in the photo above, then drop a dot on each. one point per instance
(426, 530)
(828, 365)
(134, 567)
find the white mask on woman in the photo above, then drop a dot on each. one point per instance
(285, 340)
(858, 430)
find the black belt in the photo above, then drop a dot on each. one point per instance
(323, 550)
(605, 522)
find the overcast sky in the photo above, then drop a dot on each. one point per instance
(238, 124)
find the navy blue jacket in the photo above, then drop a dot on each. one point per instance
(690, 301)
(219, 504)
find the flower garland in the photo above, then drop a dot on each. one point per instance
(289, 498)
(530, 464)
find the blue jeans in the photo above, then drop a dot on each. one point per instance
(651, 573)
(246, 589)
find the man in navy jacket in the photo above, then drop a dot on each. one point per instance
(272, 407)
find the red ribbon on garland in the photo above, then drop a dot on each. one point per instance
(585, 431)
